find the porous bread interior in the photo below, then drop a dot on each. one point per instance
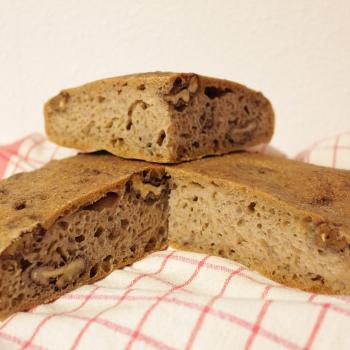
(220, 118)
(85, 245)
(117, 116)
(255, 231)
(146, 121)
(248, 223)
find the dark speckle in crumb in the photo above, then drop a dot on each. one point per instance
(4, 191)
(12, 224)
(83, 181)
(92, 172)
(264, 170)
(321, 201)
(34, 217)
(19, 205)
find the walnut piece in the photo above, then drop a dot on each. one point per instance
(144, 188)
(328, 236)
(59, 103)
(182, 91)
(46, 275)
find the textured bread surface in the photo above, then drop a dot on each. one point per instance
(288, 220)
(160, 117)
(73, 222)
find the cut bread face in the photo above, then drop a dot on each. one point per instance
(290, 240)
(97, 233)
(75, 220)
(160, 117)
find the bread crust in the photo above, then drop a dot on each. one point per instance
(172, 109)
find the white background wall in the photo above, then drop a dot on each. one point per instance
(297, 52)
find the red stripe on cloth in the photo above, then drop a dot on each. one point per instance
(317, 326)
(225, 316)
(346, 299)
(18, 155)
(128, 290)
(266, 291)
(109, 297)
(312, 297)
(261, 315)
(8, 159)
(339, 297)
(340, 310)
(3, 166)
(194, 261)
(178, 301)
(206, 308)
(221, 315)
(331, 148)
(5, 159)
(54, 153)
(308, 151)
(256, 326)
(335, 150)
(306, 154)
(222, 268)
(334, 308)
(159, 279)
(137, 331)
(117, 328)
(47, 318)
(24, 158)
(329, 138)
(7, 322)
(18, 341)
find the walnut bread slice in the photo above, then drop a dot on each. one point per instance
(160, 117)
(288, 220)
(73, 222)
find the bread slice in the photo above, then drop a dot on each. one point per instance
(73, 222)
(288, 220)
(160, 117)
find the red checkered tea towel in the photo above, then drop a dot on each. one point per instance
(179, 300)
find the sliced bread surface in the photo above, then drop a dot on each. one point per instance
(160, 117)
(75, 220)
(286, 219)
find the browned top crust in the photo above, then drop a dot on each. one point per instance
(165, 84)
(38, 198)
(321, 193)
(163, 80)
